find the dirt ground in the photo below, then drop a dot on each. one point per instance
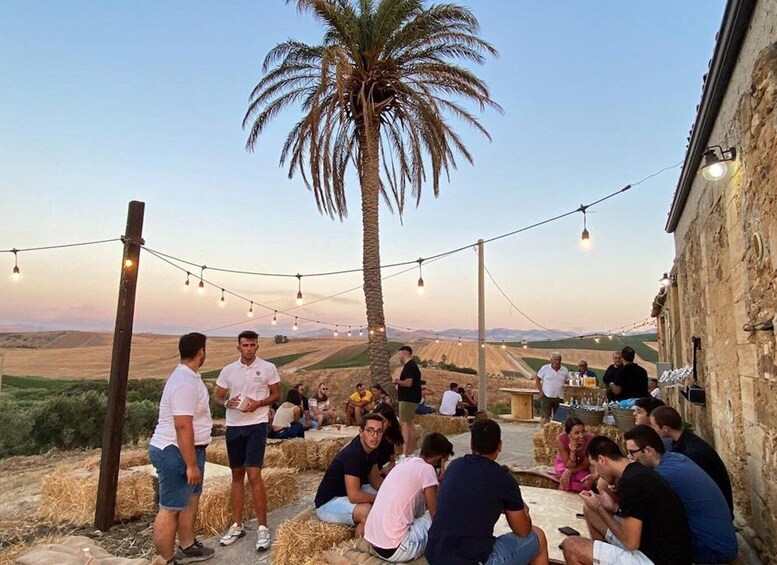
(20, 480)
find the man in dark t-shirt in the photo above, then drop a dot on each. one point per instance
(409, 396)
(610, 372)
(647, 525)
(473, 493)
(343, 497)
(669, 424)
(631, 381)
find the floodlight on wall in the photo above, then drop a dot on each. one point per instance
(666, 280)
(715, 159)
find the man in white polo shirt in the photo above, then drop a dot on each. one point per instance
(550, 382)
(247, 388)
(177, 450)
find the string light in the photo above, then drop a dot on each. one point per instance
(336, 332)
(372, 332)
(128, 263)
(361, 332)
(381, 329)
(274, 318)
(483, 344)
(186, 284)
(420, 288)
(609, 336)
(250, 312)
(201, 286)
(223, 301)
(596, 339)
(299, 290)
(525, 344)
(349, 331)
(16, 274)
(503, 345)
(436, 338)
(585, 238)
(459, 343)
(295, 327)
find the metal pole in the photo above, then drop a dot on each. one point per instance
(481, 329)
(105, 509)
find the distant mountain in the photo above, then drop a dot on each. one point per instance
(494, 334)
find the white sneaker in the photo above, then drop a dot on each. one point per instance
(234, 533)
(262, 538)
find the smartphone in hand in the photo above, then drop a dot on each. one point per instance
(567, 531)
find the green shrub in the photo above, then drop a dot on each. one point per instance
(69, 421)
(15, 426)
(140, 419)
(145, 389)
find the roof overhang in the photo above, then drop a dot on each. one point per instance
(731, 35)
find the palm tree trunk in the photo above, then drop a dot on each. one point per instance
(369, 178)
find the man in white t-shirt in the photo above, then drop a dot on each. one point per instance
(320, 408)
(654, 389)
(177, 451)
(452, 403)
(247, 388)
(550, 382)
(398, 525)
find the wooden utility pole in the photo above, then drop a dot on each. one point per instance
(105, 510)
(481, 328)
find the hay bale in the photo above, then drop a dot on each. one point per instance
(215, 511)
(301, 541)
(128, 458)
(296, 452)
(533, 478)
(544, 440)
(217, 452)
(327, 450)
(446, 425)
(275, 457)
(70, 496)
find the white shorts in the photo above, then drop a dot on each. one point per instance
(614, 553)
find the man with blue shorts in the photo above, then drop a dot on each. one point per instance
(349, 486)
(177, 450)
(247, 388)
(474, 492)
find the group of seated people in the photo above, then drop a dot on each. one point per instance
(667, 500)
(459, 401)
(421, 507)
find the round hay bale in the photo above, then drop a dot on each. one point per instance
(301, 541)
(70, 496)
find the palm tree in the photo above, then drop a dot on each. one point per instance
(377, 93)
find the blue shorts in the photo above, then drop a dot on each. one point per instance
(245, 445)
(510, 548)
(174, 491)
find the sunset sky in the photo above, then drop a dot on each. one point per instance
(104, 102)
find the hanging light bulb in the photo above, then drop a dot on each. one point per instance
(201, 286)
(381, 329)
(503, 345)
(274, 318)
(250, 312)
(16, 274)
(585, 238)
(483, 344)
(295, 327)
(349, 331)
(524, 344)
(420, 288)
(372, 332)
(459, 343)
(361, 332)
(436, 338)
(609, 337)
(596, 339)
(222, 301)
(186, 284)
(299, 290)
(336, 333)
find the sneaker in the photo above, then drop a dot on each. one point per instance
(196, 552)
(262, 538)
(234, 533)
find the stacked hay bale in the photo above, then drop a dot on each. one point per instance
(301, 540)
(446, 425)
(128, 458)
(545, 446)
(215, 511)
(302, 454)
(217, 453)
(70, 495)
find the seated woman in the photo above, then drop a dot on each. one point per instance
(379, 396)
(571, 463)
(392, 438)
(286, 423)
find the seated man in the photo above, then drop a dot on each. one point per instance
(668, 423)
(473, 494)
(452, 404)
(320, 409)
(713, 539)
(650, 526)
(348, 489)
(357, 404)
(642, 409)
(654, 389)
(398, 524)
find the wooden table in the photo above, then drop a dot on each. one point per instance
(521, 409)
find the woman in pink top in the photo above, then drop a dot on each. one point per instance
(571, 463)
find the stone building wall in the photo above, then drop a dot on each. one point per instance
(726, 277)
